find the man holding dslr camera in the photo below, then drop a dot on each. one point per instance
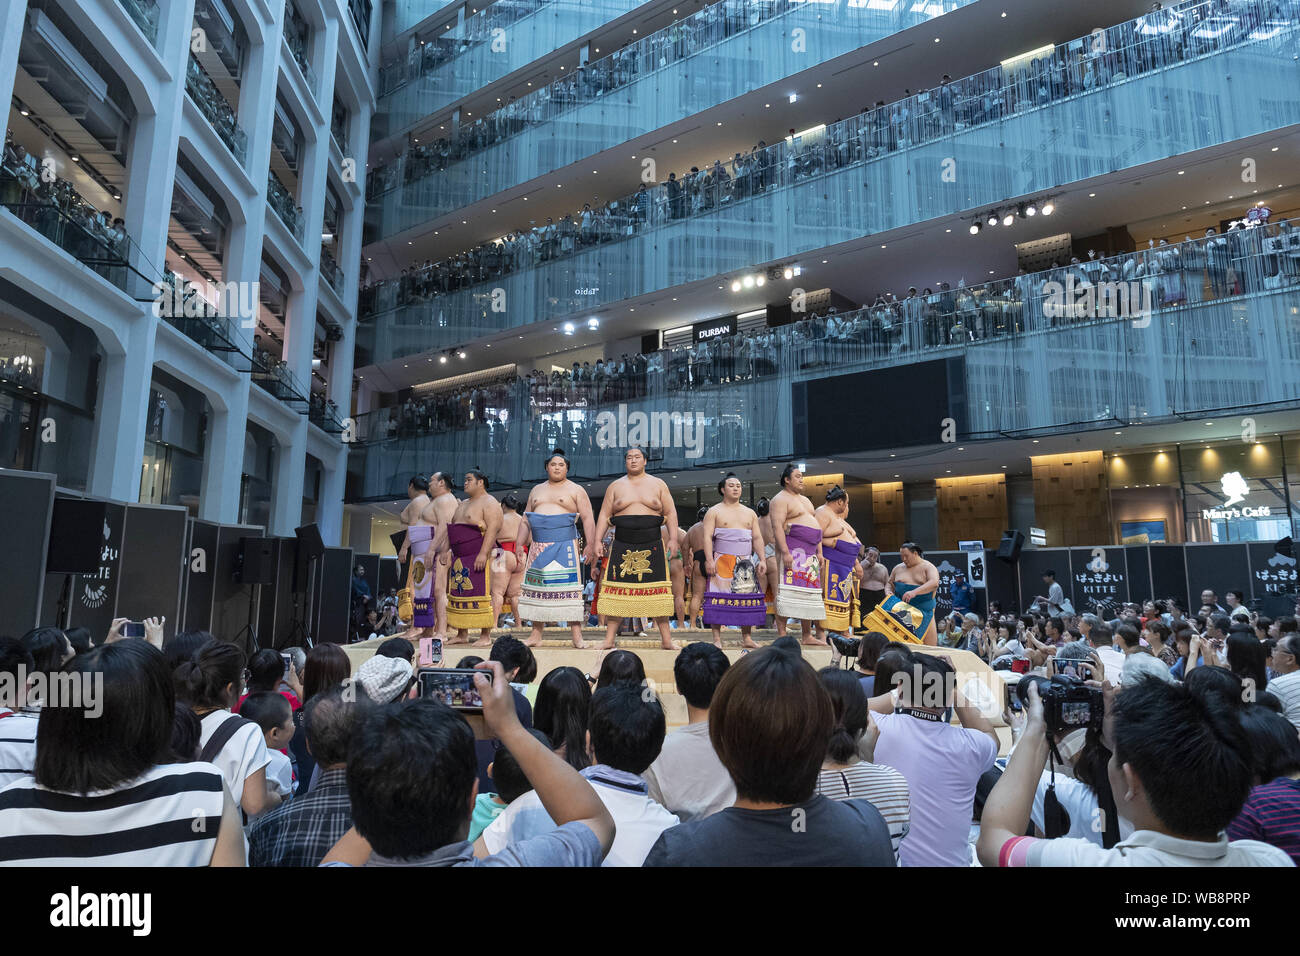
(1166, 740)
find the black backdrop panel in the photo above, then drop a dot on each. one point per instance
(1000, 582)
(1217, 566)
(1168, 571)
(1033, 562)
(1270, 573)
(199, 587)
(94, 596)
(229, 597)
(389, 574)
(1097, 576)
(333, 596)
(277, 603)
(1138, 559)
(153, 563)
(28, 505)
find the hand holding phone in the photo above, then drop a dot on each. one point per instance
(430, 652)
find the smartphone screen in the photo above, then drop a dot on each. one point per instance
(288, 663)
(133, 629)
(454, 687)
(430, 651)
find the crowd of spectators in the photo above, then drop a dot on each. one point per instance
(213, 105)
(52, 205)
(299, 758)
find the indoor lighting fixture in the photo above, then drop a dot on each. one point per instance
(788, 273)
(759, 280)
(748, 282)
(568, 328)
(735, 286)
(993, 218)
(593, 323)
(1048, 208)
(442, 360)
(1008, 219)
(974, 228)
(461, 353)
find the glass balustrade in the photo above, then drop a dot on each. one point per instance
(216, 109)
(282, 201)
(410, 13)
(997, 137)
(1131, 339)
(145, 15)
(722, 51)
(360, 11)
(493, 43)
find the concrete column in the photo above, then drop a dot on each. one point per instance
(13, 19)
(286, 483)
(117, 452)
(223, 463)
(329, 508)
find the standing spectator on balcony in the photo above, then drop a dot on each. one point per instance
(640, 207)
(674, 190)
(1217, 259)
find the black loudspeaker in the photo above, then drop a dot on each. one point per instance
(1009, 547)
(256, 561)
(310, 544)
(76, 534)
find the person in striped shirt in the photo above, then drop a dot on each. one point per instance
(1272, 811)
(845, 775)
(17, 724)
(104, 791)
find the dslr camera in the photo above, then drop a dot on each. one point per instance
(1068, 703)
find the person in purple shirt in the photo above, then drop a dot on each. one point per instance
(1272, 811)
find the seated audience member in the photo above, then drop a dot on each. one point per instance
(17, 723)
(687, 777)
(1169, 740)
(50, 650)
(941, 763)
(769, 722)
(411, 773)
(266, 673)
(212, 681)
(517, 660)
(181, 648)
(1285, 685)
(1139, 663)
(869, 651)
(274, 716)
(79, 638)
(104, 791)
(301, 832)
(509, 784)
(385, 679)
(844, 774)
(325, 666)
(563, 704)
(624, 735)
(398, 647)
(1248, 659)
(187, 729)
(1272, 811)
(1102, 640)
(469, 662)
(620, 665)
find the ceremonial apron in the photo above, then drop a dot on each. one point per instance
(469, 592)
(799, 593)
(421, 574)
(732, 597)
(839, 558)
(635, 583)
(552, 585)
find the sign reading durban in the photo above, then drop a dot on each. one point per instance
(651, 430)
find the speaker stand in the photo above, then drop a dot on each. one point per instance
(297, 635)
(247, 636)
(65, 603)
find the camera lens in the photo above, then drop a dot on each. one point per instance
(1022, 688)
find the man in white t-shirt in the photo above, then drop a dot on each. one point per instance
(1285, 685)
(941, 763)
(1102, 640)
(1180, 772)
(625, 733)
(688, 778)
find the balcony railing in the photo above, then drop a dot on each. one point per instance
(331, 271)
(216, 109)
(408, 13)
(641, 87)
(145, 15)
(295, 37)
(360, 11)
(1111, 341)
(60, 214)
(808, 193)
(324, 414)
(275, 378)
(491, 44)
(204, 317)
(282, 201)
